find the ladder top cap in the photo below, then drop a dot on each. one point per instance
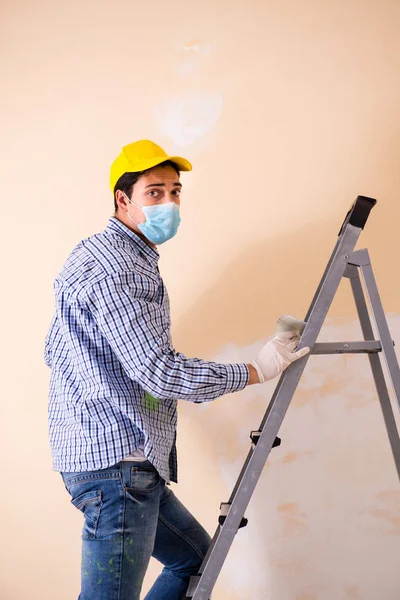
(359, 212)
(365, 199)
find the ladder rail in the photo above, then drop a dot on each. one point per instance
(362, 257)
(377, 371)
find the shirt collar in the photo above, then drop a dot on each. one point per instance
(116, 226)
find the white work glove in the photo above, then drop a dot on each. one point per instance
(277, 354)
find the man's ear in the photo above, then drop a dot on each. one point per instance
(121, 200)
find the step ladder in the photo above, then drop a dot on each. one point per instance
(344, 262)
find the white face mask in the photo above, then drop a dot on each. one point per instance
(162, 221)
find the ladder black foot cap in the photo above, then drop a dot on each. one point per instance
(255, 436)
(222, 518)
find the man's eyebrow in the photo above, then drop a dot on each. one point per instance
(177, 183)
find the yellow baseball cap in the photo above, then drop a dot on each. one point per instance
(140, 156)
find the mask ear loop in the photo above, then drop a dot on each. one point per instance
(131, 202)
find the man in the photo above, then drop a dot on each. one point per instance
(115, 382)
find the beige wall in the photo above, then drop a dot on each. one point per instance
(287, 110)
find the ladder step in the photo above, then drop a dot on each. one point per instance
(368, 347)
(255, 436)
(225, 506)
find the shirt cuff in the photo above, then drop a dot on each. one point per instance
(237, 377)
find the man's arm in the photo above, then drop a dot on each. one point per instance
(137, 331)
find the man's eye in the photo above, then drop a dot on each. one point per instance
(153, 193)
(177, 192)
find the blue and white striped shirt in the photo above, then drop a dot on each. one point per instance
(115, 376)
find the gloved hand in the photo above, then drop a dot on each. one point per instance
(277, 354)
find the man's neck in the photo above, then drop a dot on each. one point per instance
(133, 228)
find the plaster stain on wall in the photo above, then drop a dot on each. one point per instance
(389, 511)
(361, 398)
(294, 567)
(293, 519)
(290, 457)
(352, 592)
(186, 120)
(333, 477)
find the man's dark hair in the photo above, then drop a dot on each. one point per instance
(126, 182)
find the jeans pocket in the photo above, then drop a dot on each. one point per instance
(89, 503)
(144, 479)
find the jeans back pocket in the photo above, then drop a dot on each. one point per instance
(89, 503)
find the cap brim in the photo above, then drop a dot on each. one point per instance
(182, 163)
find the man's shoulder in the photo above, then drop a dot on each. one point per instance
(79, 270)
(99, 258)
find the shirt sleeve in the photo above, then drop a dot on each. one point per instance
(48, 343)
(138, 332)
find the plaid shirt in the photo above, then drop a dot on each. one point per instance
(115, 376)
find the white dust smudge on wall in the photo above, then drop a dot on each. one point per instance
(187, 119)
(324, 521)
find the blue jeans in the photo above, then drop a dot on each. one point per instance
(129, 516)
